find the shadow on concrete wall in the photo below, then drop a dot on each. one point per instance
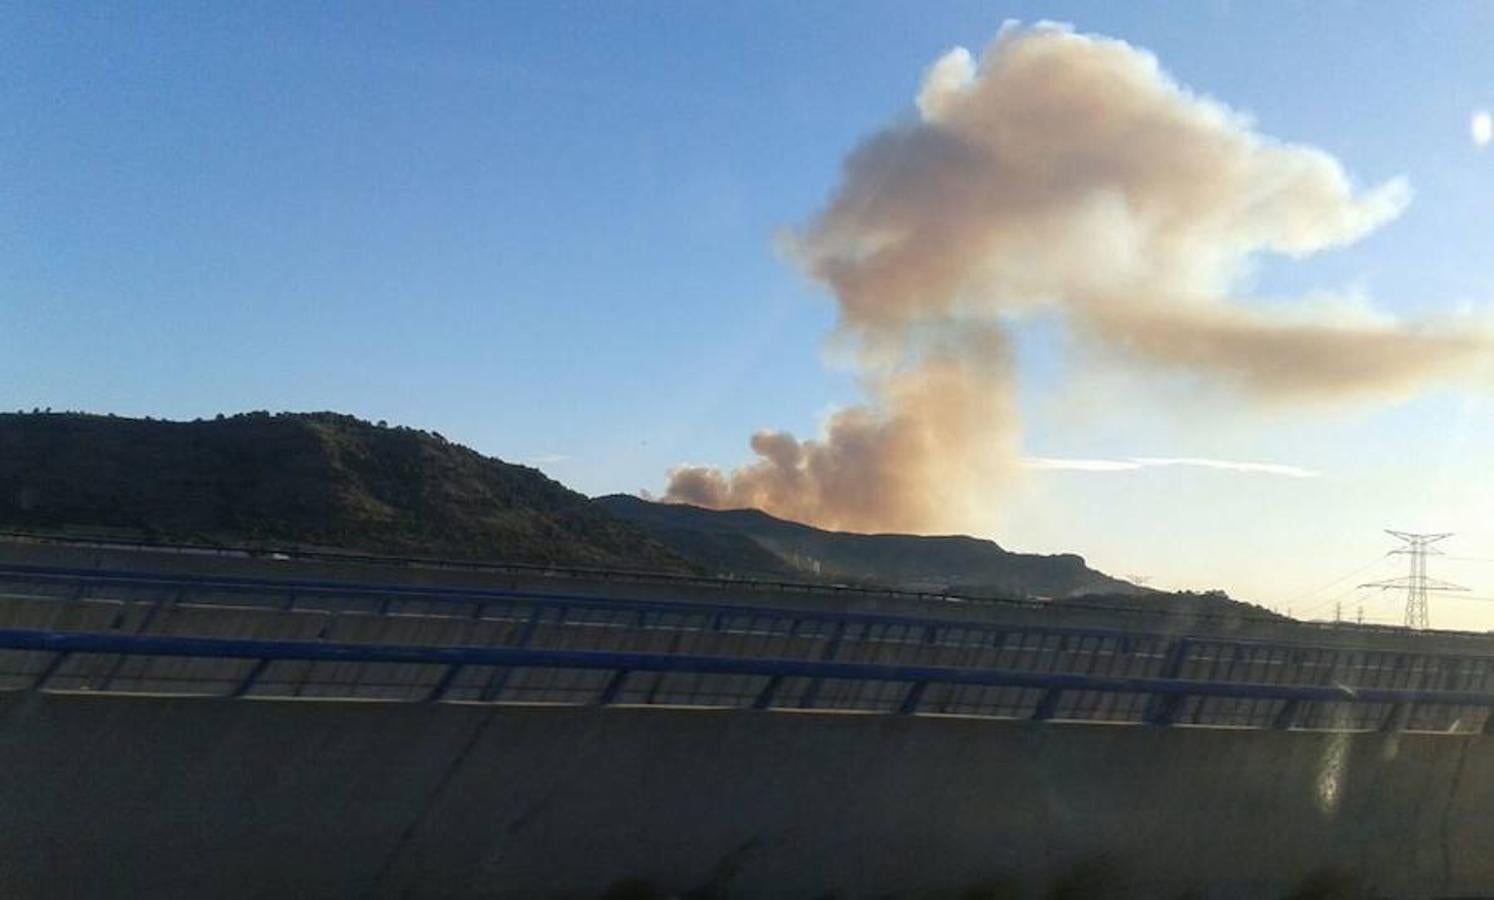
(1101, 878)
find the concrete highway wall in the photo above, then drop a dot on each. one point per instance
(107, 796)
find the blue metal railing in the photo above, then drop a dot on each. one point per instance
(882, 629)
(639, 577)
(913, 682)
(297, 593)
(760, 656)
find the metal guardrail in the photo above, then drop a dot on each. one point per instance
(913, 683)
(385, 599)
(877, 662)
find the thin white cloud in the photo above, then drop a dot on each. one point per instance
(1135, 463)
(1230, 465)
(1080, 465)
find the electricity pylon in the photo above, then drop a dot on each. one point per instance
(1416, 584)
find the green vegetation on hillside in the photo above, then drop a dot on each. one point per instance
(309, 480)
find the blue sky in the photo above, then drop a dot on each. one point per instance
(548, 230)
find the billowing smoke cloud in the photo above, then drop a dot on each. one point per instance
(941, 424)
(1065, 173)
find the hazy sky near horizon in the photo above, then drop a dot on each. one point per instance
(553, 232)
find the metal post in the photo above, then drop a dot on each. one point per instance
(247, 684)
(46, 674)
(911, 699)
(495, 685)
(1048, 705)
(162, 605)
(441, 687)
(832, 649)
(1287, 718)
(765, 697)
(614, 687)
(1164, 708)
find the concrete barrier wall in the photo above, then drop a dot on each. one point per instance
(172, 797)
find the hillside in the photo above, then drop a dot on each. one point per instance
(316, 479)
(330, 481)
(751, 543)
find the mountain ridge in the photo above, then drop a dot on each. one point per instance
(758, 544)
(329, 481)
(316, 480)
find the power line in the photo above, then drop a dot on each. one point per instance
(1339, 580)
(1332, 600)
(1417, 584)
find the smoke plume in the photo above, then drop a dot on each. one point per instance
(940, 425)
(1066, 174)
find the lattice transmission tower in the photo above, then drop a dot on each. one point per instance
(1416, 584)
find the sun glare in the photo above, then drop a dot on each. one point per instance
(1481, 127)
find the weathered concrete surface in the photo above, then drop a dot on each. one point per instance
(166, 797)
